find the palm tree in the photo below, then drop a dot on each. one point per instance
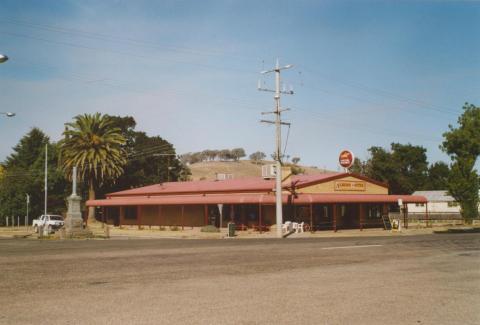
(93, 144)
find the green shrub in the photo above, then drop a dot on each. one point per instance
(162, 228)
(209, 228)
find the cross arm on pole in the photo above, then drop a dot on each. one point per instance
(285, 92)
(274, 112)
(272, 122)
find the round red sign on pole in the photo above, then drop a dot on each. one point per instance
(346, 158)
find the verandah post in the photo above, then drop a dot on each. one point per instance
(260, 217)
(122, 216)
(243, 216)
(205, 214)
(232, 212)
(183, 210)
(361, 216)
(335, 218)
(159, 216)
(139, 216)
(311, 217)
(426, 214)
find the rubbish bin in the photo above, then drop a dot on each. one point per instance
(231, 229)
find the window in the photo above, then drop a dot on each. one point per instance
(131, 212)
(374, 212)
(419, 204)
(452, 204)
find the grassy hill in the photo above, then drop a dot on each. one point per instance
(240, 169)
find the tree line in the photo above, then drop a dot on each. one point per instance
(228, 155)
(110, 155)
(234, 154)
(405, 167)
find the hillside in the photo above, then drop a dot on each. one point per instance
(239, 169)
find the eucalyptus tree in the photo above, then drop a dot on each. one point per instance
(462, 144)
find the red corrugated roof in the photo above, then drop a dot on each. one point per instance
(358, 198)
(238, 198)
(256, 184)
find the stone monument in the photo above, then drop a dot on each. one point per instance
(74, 221)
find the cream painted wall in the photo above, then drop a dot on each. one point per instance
(329, 187)
(433, 207)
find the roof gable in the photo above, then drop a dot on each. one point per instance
(435, 196)
(335, 176)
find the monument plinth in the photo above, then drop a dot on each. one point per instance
(74, 221)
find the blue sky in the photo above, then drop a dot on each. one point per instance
(367, 73)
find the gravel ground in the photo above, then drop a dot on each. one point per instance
(428, 279)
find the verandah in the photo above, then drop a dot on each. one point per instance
(255, 216)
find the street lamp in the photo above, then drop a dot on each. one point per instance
(3, 58)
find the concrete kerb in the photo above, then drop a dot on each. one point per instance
(195, 233)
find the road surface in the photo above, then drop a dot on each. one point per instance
(430, 279)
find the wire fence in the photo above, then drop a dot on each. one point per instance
(15, 222)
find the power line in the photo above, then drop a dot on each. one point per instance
(123, 53)
(98, 80)
(112, 38)
(385, 93)
(100, 36)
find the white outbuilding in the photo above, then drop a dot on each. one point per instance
(439, 202)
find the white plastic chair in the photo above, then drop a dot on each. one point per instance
(287, 226)
(294, 226)
(300, 227)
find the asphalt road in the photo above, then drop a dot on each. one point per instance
(431, 279)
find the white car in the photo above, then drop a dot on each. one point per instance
(51, 221)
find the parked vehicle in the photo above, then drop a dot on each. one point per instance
(52, 222)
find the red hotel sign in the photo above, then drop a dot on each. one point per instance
(350, 186)
(346, 159)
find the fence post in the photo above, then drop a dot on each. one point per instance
(13, 221)
(18, 222)
(6, 219)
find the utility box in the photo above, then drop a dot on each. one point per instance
(231, 229)
(269, 171)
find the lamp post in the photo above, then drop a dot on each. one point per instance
(4, 58)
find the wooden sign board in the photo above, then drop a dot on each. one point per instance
(349, 186)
